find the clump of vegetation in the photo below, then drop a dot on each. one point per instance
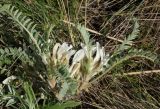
(41, 70)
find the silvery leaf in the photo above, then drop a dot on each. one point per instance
(63, 91)
(107, 58)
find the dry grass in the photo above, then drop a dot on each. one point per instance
(135, 90)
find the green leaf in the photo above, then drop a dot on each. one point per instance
(4, 7)
(30, 96)
(63, 91)
(117, 60)
(129, 40)
(23, 22)
(71, 104)
(84, 33)
(68, 104)
(2, 51)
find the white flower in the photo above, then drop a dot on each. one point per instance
(54, 53)
(74, 69)
(9, 79)
(44, 59)
(83, 65)
(76, 64)
(98, 54)
(86, 60)
(79, 55)
(64, 48)
(62, 53)
(69, 54)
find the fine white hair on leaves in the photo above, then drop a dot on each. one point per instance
(84, 47)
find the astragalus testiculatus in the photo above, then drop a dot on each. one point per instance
(82, 65)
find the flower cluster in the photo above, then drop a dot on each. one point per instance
(82, 64)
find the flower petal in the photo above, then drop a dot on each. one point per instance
(102, 54)
(66, 57)
(79, 55)
(63, 48)
(54, 52)
(97, 57)
(70, 53)
(9, 79)
(84, 47)
(74, 69)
